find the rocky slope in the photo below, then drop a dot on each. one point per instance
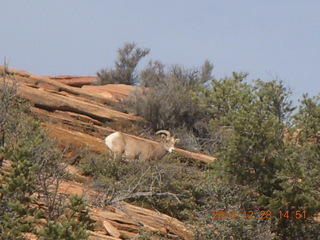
(79, 115)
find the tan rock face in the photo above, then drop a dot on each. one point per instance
(74, 81)
(114, 92)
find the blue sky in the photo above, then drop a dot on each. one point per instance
(268, 39)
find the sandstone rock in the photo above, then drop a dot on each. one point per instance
(94, 235)
(111, 229)
(74, 81)
(114, 92)
(52, 101)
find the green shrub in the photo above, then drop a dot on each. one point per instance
(74, 225)
(168, 102)
(220, 213)
(252, 153)
(34, 174)
(10, 108)
(19, 183)
(165, 185)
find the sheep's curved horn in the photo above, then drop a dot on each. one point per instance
(166, 132)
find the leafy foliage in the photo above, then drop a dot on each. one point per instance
(307, 119)
(10, 106)
(18, 182)
(33, 172)
(124, 71)
(299, 177)
(166, 185)
(220, 215)
(34, 168)
(253, 121)
(168, 102)
(16, 192)
(75, 224)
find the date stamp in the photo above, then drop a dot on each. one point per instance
(259, 214)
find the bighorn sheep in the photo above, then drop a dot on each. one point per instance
(133, 148)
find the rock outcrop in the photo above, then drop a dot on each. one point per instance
(80, 112)
(79, 115)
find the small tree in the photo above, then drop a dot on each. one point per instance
(35, 169)
(251, 126)
(125, 66)
(16, 210)
(307, 119)
(276, 98)
(74, 225)
(18, 182)
(283, 174)
(300, 175)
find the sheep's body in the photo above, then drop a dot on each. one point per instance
(133, 148)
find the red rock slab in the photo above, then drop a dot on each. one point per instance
(74, 81)
(76, 140)
(111, 229)
(58, 101)
(112, 92)
(94, 235)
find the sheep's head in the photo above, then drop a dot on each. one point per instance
(168, 140)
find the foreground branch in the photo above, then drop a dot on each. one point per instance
(141, 194)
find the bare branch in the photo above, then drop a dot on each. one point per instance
(142, 194)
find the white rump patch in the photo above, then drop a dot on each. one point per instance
(108, 140)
